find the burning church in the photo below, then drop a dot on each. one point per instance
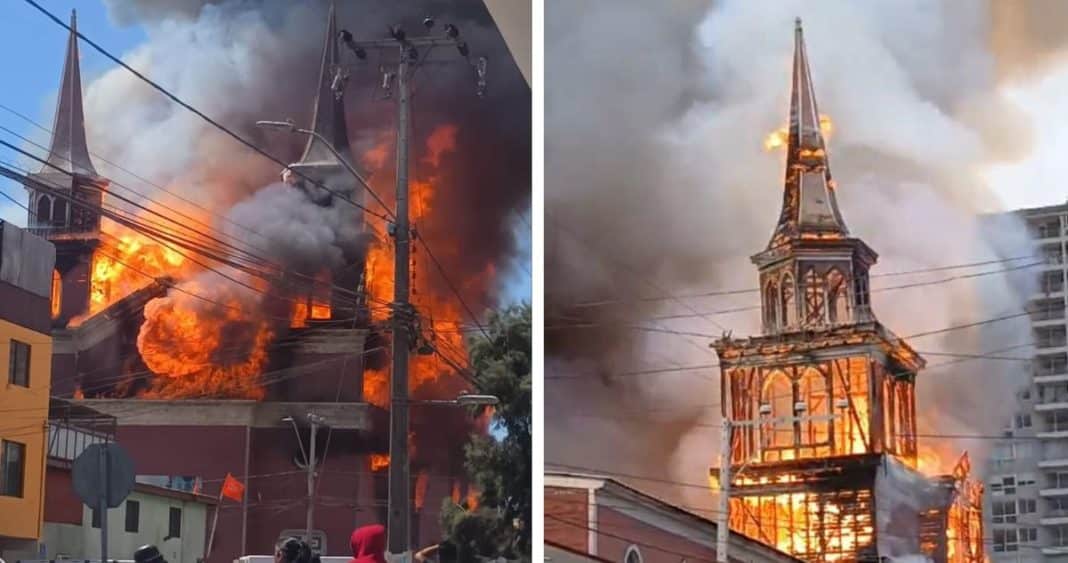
(212, 346)
(821, 407)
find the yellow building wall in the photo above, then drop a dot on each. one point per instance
(23, 419)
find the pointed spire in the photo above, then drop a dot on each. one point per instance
(809, 205)
(329, 117)
(69, 150)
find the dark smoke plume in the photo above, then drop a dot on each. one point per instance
(657, 184)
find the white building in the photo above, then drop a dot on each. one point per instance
(1027, 479)
(175, 522)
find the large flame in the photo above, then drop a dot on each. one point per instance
(127, 261)
(216, 349)
(439, 313)
(778, 138)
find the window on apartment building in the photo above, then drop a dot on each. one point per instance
(1006, 540)
(1048, 229)
(1024, 394)
(1023, 421)
(174, 525)
(1026, 506)
(1003, 511)
(133, 516)
(632, 555)
(1058, 536)
(1028, 535)
(1003, 485)
(13, 468)
(18, 365)
(1052, 282)
(1025, 480)
(1059, 480)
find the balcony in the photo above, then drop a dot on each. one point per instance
(1055, 550)
(65, 233)
(1052, 404)
(1052, 434)
(1048, 377)
(1053, 463)
(1055, 490)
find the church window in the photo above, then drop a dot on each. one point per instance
(837, 297)
(813, 393)
(815, 298)
(777, 404)
(44, 210)
(771, 300)
(787, 300)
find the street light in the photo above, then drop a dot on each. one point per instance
(315, 421)
(292, 128)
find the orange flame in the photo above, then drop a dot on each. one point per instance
(379, 462)
(203, 349)
(778, 138)
(421, 482)
(444, 334)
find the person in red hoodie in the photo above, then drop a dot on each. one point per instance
(368, 544)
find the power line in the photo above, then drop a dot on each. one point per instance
(209, 120)
(743, 291)
(745, 308)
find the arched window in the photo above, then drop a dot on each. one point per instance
(787, 299)
(813, 392)
(815, 298)
(44, 210)
(633, 555)
(59, 212)
(57, 292)
(837, 297)
(771, 302)
(777, 398)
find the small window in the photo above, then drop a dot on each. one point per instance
(13, 464)
(133, 516)
(1023, 421)
(174, 527)
(1027, 505)
(18, 368)
(633, 555)
(1006, 540)
(1028, 535)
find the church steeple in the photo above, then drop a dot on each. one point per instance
(809, 208)
(69, 150)
(813, 275)
(329, 116)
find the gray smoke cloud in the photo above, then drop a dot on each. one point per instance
(240, 61)
(657, 183)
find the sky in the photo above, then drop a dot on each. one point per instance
(39, 65)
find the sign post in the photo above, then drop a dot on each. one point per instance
(103, 477)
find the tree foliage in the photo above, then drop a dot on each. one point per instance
(499, 466)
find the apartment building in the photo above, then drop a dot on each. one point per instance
(26, 265)
(1027, 479)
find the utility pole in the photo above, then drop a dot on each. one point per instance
(725, 473)
(314, 420)
(411, 52)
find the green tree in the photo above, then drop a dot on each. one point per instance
(500, 466)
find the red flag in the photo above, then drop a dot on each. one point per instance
(232, 489)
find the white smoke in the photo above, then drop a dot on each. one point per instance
(654, 160)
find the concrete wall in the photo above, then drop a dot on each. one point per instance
(81, 540)
(23, 413)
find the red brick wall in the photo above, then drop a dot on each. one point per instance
(614, 525)
(570, 505)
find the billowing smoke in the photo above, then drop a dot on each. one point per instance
(657, 184)
(241, 61)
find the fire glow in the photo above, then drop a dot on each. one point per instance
(780, 137)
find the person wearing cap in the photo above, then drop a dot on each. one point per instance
(148, 554)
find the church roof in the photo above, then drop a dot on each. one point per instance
(68, 150)
(329, 115)
(809, 208)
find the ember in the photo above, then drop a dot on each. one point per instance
(379, 462)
